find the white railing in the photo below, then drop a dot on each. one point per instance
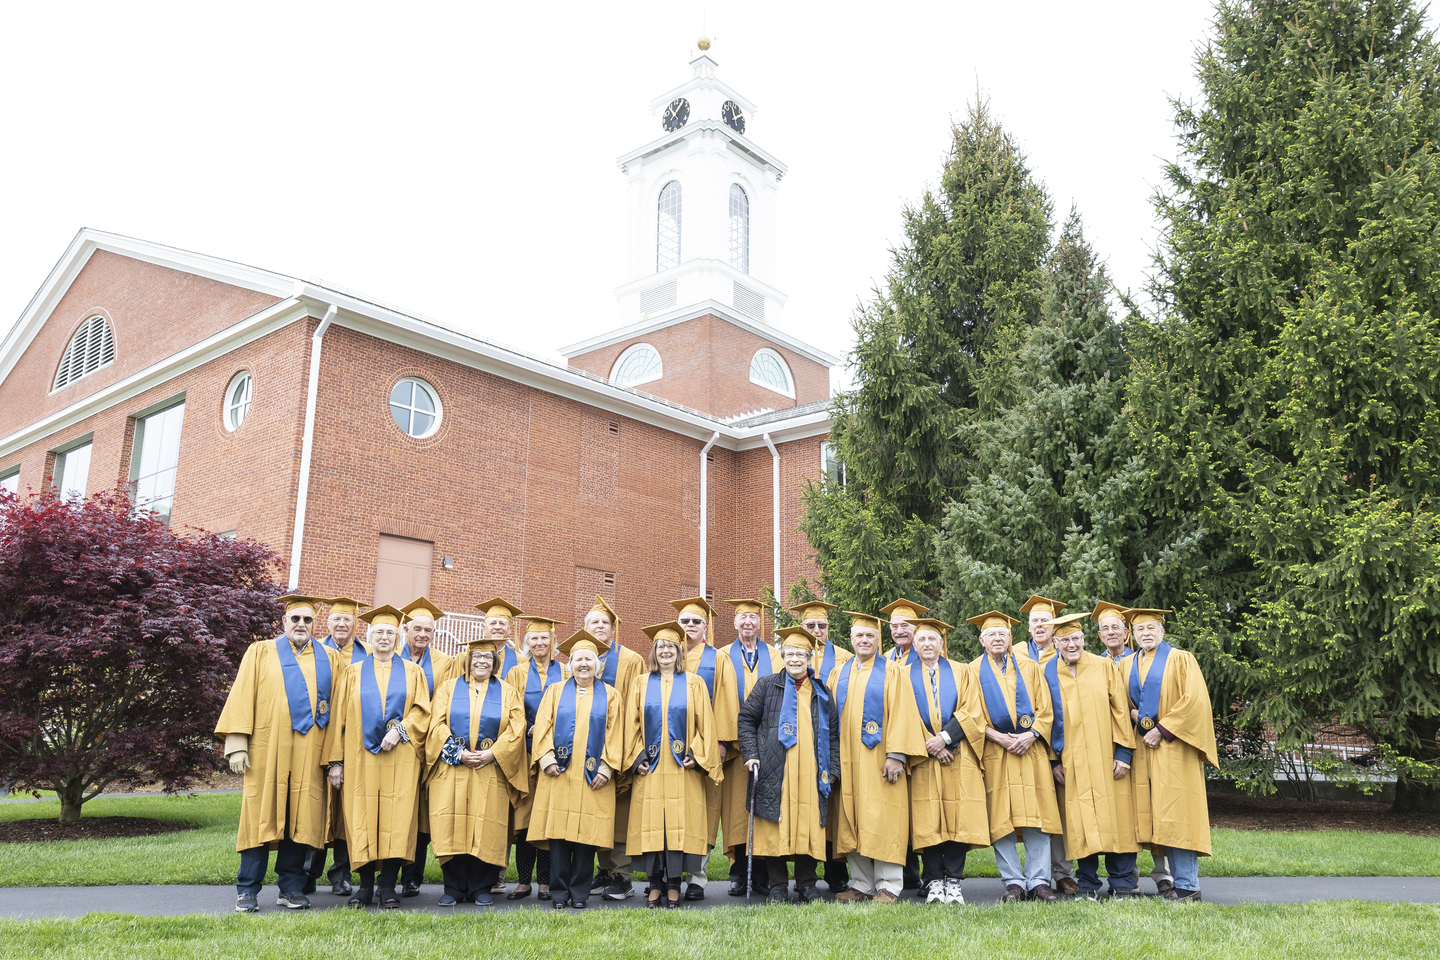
(454, 629)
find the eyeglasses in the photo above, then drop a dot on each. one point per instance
(813, 625)
(691, 622)
(296, 618)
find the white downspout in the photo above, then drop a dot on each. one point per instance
(307, 444)
(704, 506)
(775, 492)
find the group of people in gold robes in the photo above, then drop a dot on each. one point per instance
(885, 767)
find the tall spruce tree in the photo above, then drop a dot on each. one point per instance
(1286, 402)
(964, 283)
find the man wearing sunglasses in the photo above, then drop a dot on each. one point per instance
(274, 725)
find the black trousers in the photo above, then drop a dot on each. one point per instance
(912, 870)
(465, 876)
(572, 869)
(289, 867)
(806, 872)
(415, 869)
(528, 857)
(389, 872)
(780, 873)
(664, 868)
(944, 861)
(760, 881)
(339, 867)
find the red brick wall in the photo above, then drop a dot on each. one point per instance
(707, 367)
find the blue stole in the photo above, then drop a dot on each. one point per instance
(357, 651)
(789, 728)
(1147, 698)
(901, 660)
(949, 694)
(1052, 680)
(489, 714)
(609, 665)
(1034, 650)
(565, 728)
(302, 718)
(677, 717)
(706, 669)
(510, 660)
(376, 718)
(425, 665)
(995, 703)
(827, 665)
(534, 690)
(762, 665)
(872, 717)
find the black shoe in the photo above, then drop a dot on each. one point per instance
(446, 900)
(578, 904)
(837, 890)
(1164, 887)
(389, 901)
(620, 889)
(411, 889)
(810, 894)
(484, 899)
(362, 898)
(247, 903)
(342, 889)
(655, 904)
(1176, 895)
(560, 904)
(293, 901)
(602, 880)
(309, 886)
(672, 904)
(543, 895)
(519, 894)
(694, 891)
(737, 888)
(778, 894)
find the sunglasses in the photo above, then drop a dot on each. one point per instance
(691, 622)
(296, 618)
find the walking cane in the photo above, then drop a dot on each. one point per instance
(750, 842)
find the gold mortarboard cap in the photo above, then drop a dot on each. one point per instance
(480, 646)
(1104, 608)
(863, 619)
(497, 607)
(345, 605)
(1144, 615)
(813, 610)
(693, 605)
(1070, 623)
(421, 607)
(292, 600)
(797, 637)
(538, 624)
(583, 640)
(1037, 602)
(605, 608)
(992, 619)
(383, 616)
(747, 606)
(930, 623)
(903, 609)
(669, 630)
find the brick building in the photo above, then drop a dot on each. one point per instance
(386, 455)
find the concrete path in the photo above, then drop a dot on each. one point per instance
(25, 903)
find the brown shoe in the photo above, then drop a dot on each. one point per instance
(1013, 894)
(1180, 896)
(885, 896)
(1043, 892)
(1067, 886)
(1163, 887)
(851, 895)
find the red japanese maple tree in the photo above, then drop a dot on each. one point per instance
(119, 639)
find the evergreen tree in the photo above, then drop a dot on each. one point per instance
(965, 281)
(1286, 401)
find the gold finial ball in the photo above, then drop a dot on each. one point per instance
(703, 43)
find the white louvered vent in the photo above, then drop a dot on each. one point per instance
(658, 298)
(748, 302)
(92, 347)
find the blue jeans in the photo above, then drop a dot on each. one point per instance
(1037, 859)
(1120, 866)
(1185, 868)
(289, 868)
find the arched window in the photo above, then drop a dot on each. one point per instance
(739, 228)
(415, 408)
(92, 347)
(638, 364)
(237, 399)
(667, 227)
(770, 370)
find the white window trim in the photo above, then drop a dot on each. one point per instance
(789, 374)
(5, 475)
(79, 336)
(625, 355)
(434, 395)
(228, 413)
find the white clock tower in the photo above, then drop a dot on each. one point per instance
(700, 228)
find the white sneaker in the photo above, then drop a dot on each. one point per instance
(952, 892)
(935, 892)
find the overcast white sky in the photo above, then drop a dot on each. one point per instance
(458, 159)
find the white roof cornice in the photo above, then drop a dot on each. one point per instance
(737, 141)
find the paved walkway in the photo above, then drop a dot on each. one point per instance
(25, 903)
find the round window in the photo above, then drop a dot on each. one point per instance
(415, 407)
(237, 399)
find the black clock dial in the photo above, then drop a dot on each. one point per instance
(677, 114)
(733, 115)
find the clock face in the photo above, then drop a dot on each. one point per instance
(677, 114)
(733, 115)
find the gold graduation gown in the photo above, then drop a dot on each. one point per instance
(567, 807)
(724, 693)
(799, 831)
(1099, 810)
(817, 661)
(947, 802)
(667, 805)
(1020, 791)
(381, 792)
(631, 665)
(443, 668)
(1168, 782)
(734, 787)
(1022, 649)
(285, 792)
(518, 676)
(470, 809)
(874, 814)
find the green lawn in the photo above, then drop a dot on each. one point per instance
(207, 854)
(1154, 929)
